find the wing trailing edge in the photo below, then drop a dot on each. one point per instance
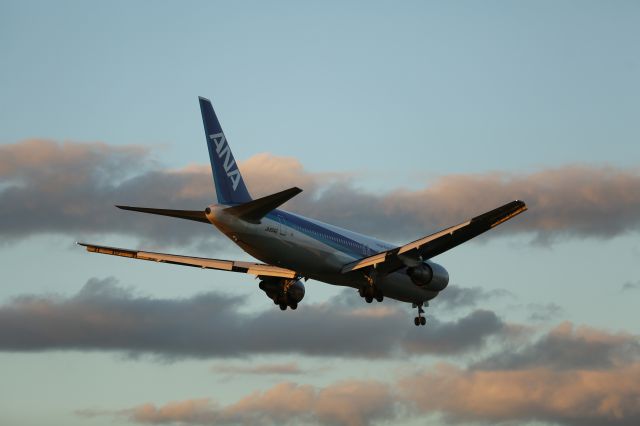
(437, 243)
(257, 269)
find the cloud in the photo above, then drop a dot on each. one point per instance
(631, 286)
(193, 411)
(352, 403)
(259, 369)
(50, 187)
(457, 297)
(579, 397)
(568, 347)
(569, 201)
(105, 316)
(544, 311)
(563, 387)
(572, 375)
(470, 331)
(458, 395)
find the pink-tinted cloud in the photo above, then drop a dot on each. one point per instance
(571, 375)
(460, 396)
(554, 391)
(575, 397)
(74, 186)
(568, 347)
(193, 411)
(50, 187)
(579, 201)
(350, 403)
(62, 162)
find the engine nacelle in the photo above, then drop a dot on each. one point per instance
(283, 291)
(429, 276)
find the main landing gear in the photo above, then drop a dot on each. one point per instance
(419, 320)
(283, 304)
(370, 292)
(285, 293)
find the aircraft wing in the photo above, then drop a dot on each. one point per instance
(258, 269)
(432, 245)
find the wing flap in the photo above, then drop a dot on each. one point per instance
(439, 242)
(257, 269)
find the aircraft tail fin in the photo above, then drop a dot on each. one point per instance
(255, 210)
(229, 185)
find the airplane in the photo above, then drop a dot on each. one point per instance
(295, 248)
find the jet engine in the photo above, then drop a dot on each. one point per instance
(429, 276)
(283, 292)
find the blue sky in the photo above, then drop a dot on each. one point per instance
(374, 98)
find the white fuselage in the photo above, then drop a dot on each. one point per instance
(315, 250)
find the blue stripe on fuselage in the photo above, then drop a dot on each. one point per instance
(326, 236)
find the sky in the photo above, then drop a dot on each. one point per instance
(397, 120)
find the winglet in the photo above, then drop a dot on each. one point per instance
(255, 210)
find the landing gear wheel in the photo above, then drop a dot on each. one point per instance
(369, 299)
(379, 297)
(419, 320)
(294, 306)
(283, 306)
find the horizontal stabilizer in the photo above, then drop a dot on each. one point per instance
(196, 215)
(255, 210)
